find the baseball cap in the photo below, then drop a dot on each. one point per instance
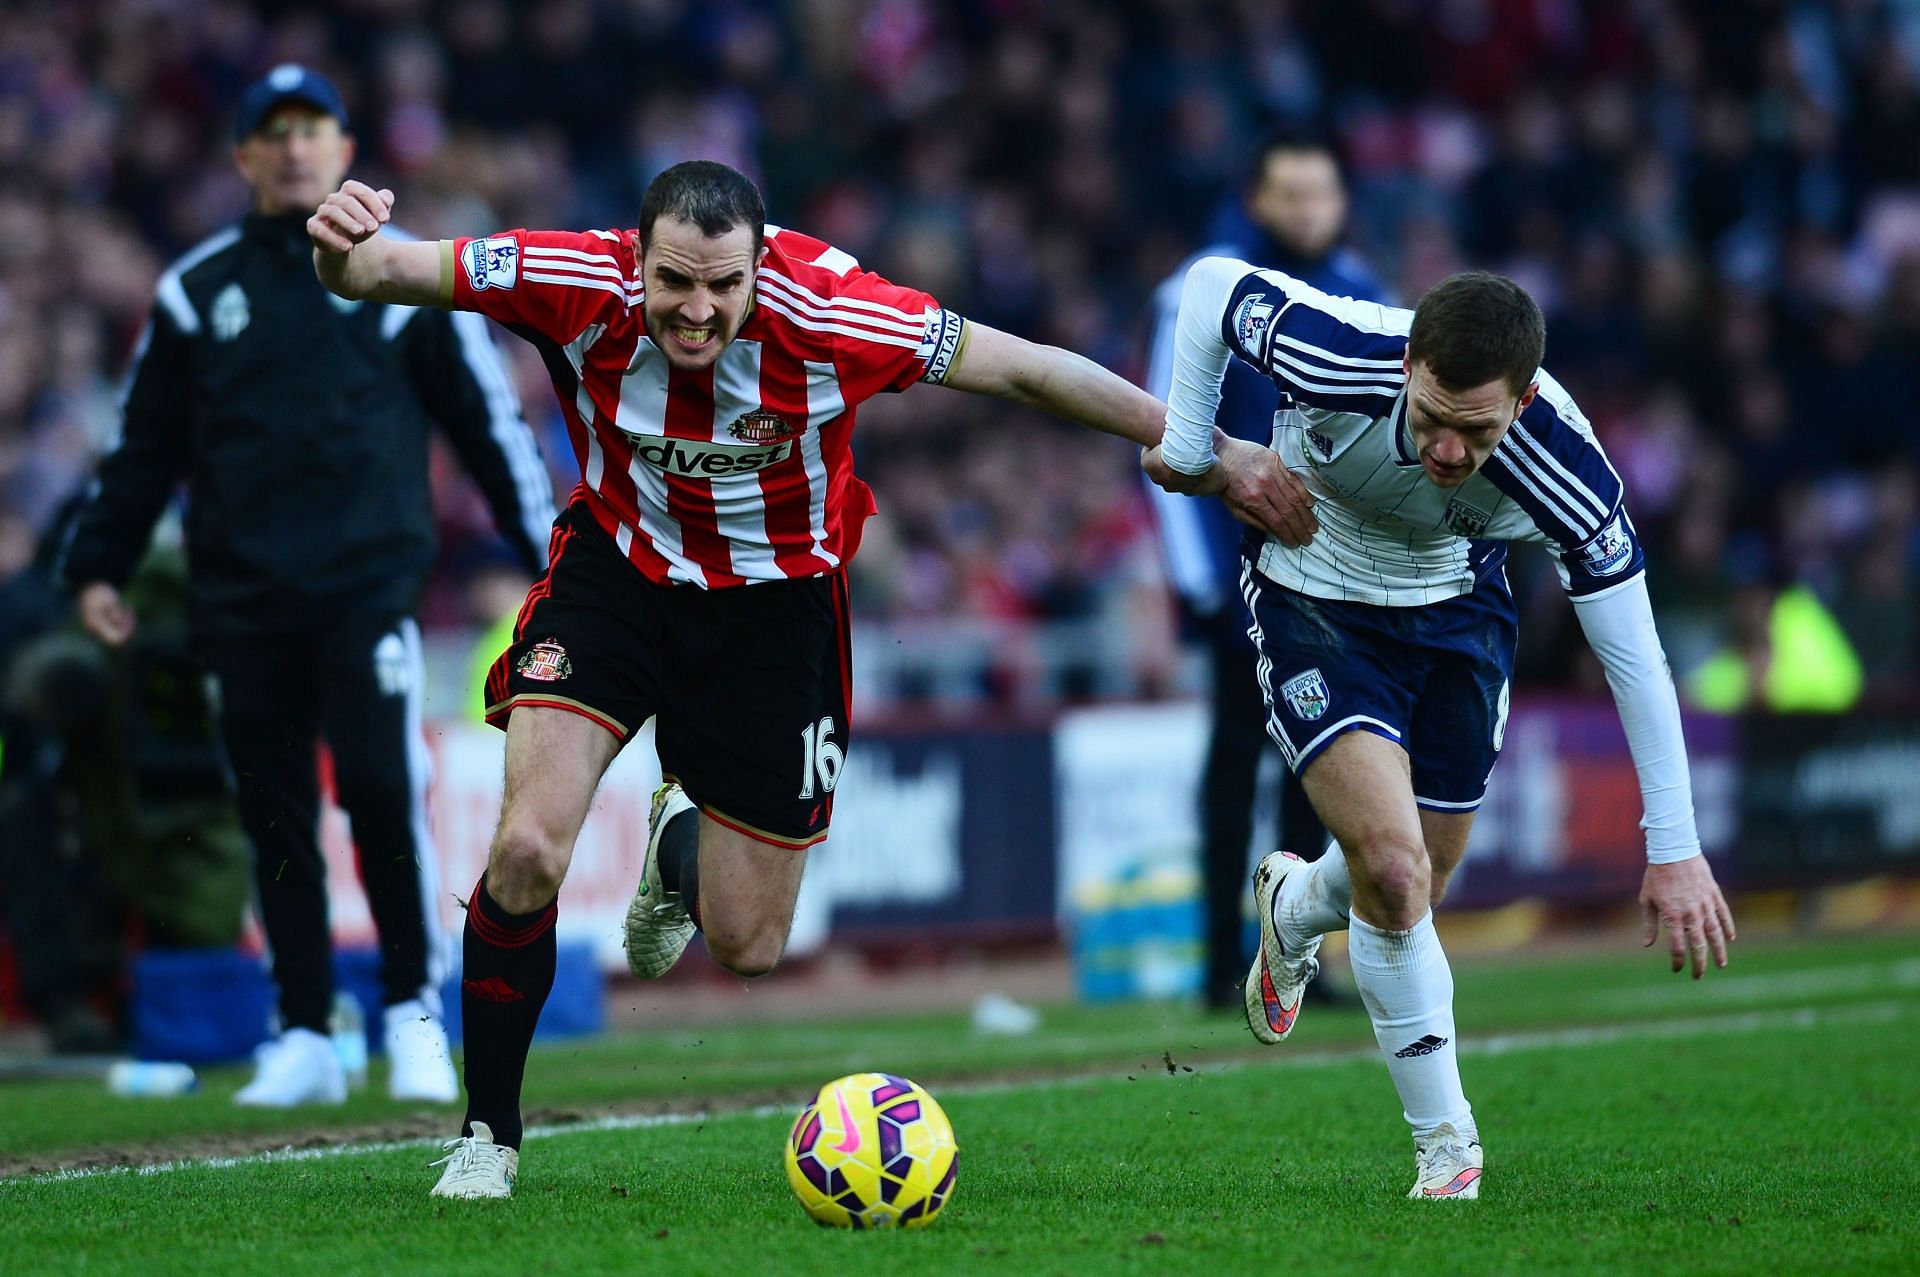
(288, 82)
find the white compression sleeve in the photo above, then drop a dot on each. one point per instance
(1619, 625)
(1199, 363)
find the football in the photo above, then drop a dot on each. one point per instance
(872, 1150)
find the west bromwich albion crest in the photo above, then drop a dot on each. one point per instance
(1466, 520)
(230, 313)
(1305, 694)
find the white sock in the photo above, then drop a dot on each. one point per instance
(1314, 900)
(1407, 986)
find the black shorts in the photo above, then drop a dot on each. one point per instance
(749, 684)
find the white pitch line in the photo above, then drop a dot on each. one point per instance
(1774, 986)
(1791, 1018)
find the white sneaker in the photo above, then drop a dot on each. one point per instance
(419, 1066)
(1276, 981)
(658, 925)
(477, 1167)
(298, 1067)
(1446, 1165)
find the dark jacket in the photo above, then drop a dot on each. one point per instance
(299, 422)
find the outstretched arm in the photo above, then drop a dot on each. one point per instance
(1249, 478)
(355, 261)
(1056, 381)
(1679, 890)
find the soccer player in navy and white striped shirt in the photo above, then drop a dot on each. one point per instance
(1423, 442)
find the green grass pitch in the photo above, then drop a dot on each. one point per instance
(1760, 1121)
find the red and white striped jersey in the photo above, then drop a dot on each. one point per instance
(742, 472)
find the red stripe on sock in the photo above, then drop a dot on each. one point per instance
(505, 937)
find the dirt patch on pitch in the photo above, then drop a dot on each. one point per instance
(422, 1129)
(425, 1128)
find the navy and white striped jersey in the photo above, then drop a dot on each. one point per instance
(1389, 536)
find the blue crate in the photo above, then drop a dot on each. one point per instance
(211, 1006)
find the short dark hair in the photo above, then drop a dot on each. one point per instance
(1290, 138)
(1476, 326)
(711, 195)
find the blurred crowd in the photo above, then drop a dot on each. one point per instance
(1716, 201)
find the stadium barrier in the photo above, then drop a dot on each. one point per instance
(1823, 797)
(953, 831)
(1085, 827)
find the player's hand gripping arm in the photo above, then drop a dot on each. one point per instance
(1679, 890)
(1253, 482)
(1197, 458)
(355, 261)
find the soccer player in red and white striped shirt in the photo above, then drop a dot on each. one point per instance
(709, 367)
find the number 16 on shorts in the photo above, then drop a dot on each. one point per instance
(821, 759)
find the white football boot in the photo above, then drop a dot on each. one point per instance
(419, 1065)
(298, 1067)
(1446, 1165)
(658, 925)
(476, 1166)
(1276, 982)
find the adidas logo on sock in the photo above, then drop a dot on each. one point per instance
(1425, 1046)
(493, 989)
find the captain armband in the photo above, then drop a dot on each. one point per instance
(941, 345)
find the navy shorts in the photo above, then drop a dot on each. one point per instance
(1432, 679)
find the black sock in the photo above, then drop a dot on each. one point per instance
(509, 973)
(680, 860)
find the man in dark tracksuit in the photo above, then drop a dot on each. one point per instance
(1290, 217)
(299, 424)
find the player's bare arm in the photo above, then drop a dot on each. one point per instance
(355, 261)
(1076, 389)
(1055, 381)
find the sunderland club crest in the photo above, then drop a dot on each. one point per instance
(545, 662)
(1305, 694)
(761, 427)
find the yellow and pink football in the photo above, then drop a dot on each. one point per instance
(872, 1150)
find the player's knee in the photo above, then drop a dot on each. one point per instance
(746, 951)
(527, 865)
(1396, 877)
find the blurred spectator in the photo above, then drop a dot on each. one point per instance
(1789, 655)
